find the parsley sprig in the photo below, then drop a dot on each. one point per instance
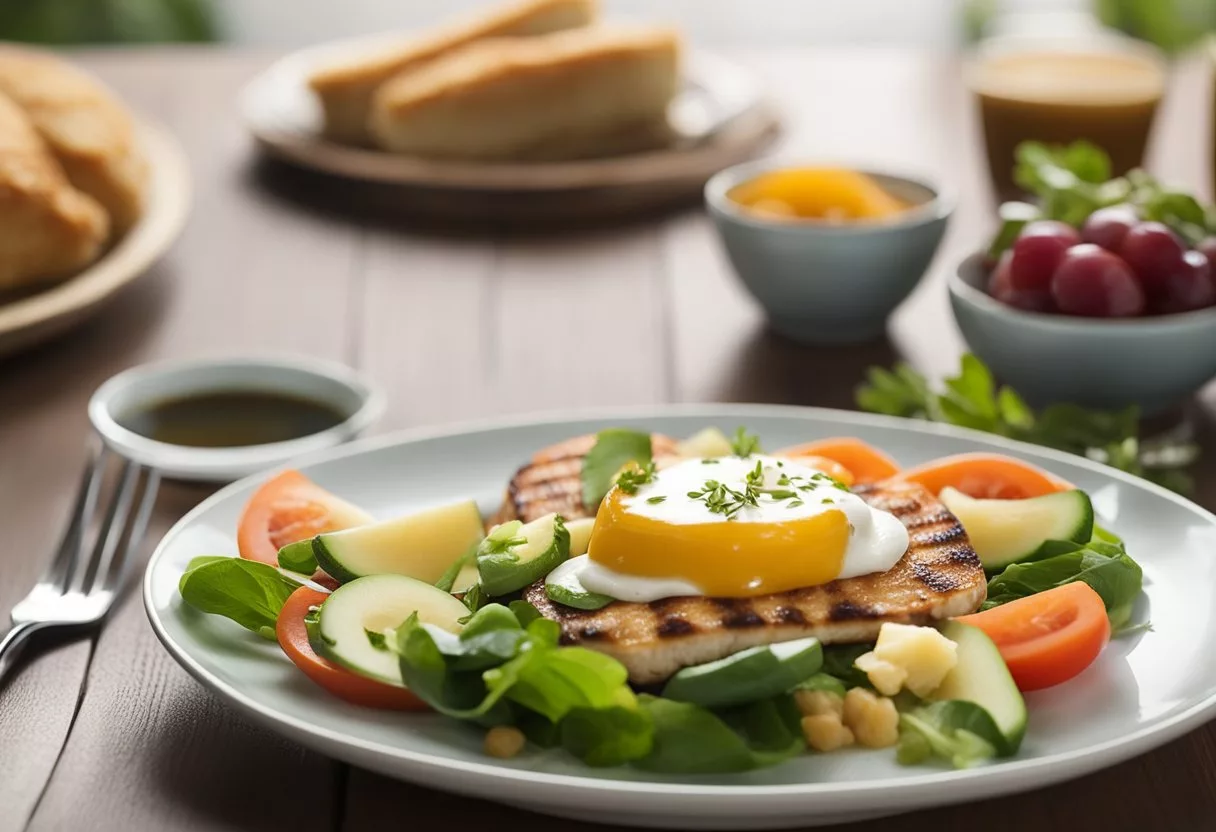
(972, 400)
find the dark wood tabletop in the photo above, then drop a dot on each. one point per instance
(108, 733)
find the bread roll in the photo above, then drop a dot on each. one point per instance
(566, 94)
(48, 229)
(346, 87)
(84, 125)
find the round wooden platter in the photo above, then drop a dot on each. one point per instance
(719, 118)
(34, 317)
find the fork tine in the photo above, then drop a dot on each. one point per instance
(71, 546)
(92, 560)
(114, 575)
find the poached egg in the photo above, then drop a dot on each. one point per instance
(733, 527)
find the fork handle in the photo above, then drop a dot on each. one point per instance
(11, 644)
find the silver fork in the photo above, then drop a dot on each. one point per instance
(83, 579)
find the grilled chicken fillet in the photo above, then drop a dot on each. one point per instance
(939, 577)
(551, 481)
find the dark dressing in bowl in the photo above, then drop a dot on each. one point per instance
(231, 419)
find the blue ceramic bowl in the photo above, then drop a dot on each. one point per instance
(826, 283)
(1154, 363)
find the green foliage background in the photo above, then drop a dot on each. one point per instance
(65, 22)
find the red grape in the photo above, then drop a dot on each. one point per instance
(1188, 287)
(1037, 252)
(1108, 226)
(1093, 282)
(1001, 288)
(1154, 253)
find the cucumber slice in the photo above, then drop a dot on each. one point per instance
(354, 619)
(563, 586)
(580, 534)
(421, 545)
(707, 443)
(747, 676)
(1006, 531)
(514, 555)
(982, 678)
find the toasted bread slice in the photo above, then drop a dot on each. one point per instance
(939, 577)
(47, 228)
(530, 98)
(345, 88)
(86, 127)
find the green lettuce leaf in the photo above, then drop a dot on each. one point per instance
(250, 593)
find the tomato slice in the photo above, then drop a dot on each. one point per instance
(865, 463)
(1047, 638)
(288, 508)
(986, 476)
(821, 463)
(342, 683)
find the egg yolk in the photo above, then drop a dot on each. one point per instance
(725, 559)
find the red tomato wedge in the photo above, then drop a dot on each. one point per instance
(342, 683)
(986, 476)
(288, 508)
(864, 462)
(1048, 638)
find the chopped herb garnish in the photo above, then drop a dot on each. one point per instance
(827, 501)
(781, 494)
(744, 444)
(654, 501)
(795, 504)
(709, 462)
(634, 476)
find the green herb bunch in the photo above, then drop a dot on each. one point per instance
(972, 400)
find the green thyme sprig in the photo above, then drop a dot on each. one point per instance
(744, 444)
(633, 477)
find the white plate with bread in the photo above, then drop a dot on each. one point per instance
(536, 97)
(90, 195)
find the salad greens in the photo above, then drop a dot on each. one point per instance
(248, 592)
(958, 731)
(971, 399)
(1103, 563)
(614, 448)
(505, 667)
(1073, 181)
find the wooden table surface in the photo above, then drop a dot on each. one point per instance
(109, 733)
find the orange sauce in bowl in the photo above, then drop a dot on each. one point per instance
(831, 195)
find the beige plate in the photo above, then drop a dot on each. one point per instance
(32, 318)
(720, 117)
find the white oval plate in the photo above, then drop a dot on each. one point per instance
(1144, 690)
(35, 317)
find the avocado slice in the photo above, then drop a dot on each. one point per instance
(515, 555)
(747, 676)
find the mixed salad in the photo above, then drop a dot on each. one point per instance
(488, 623)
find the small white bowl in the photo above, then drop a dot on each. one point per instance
(308, 378)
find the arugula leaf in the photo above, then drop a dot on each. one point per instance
(614, 448)
(971, 399)
(838, 662)
(248, 592)
(608, 736)
(958, 731)
(1103, 563)
(689, 739)
(298, 557)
